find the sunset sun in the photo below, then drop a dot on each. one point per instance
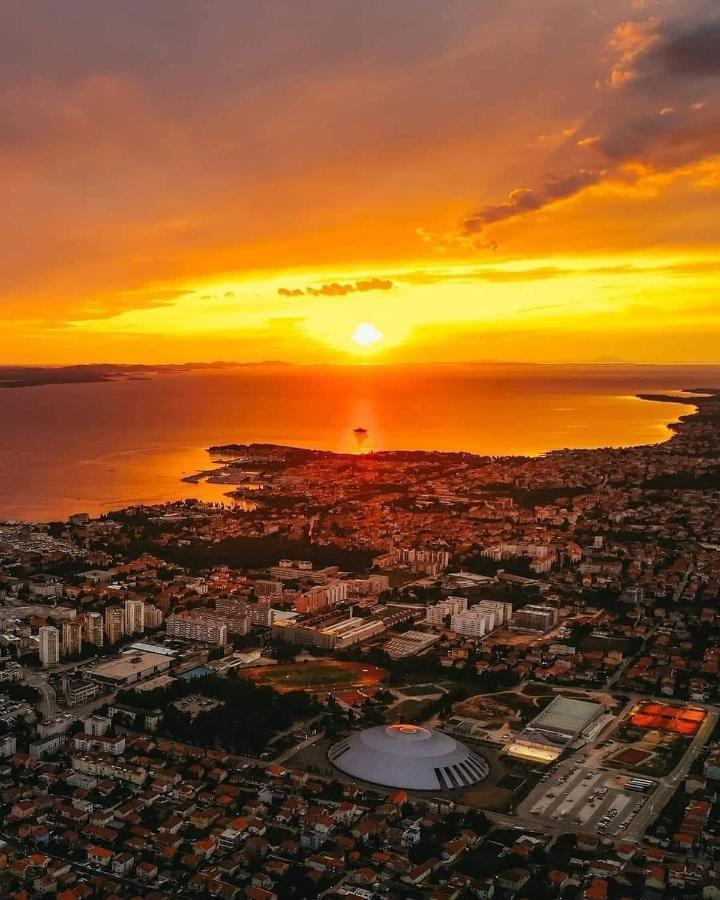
(366, 334)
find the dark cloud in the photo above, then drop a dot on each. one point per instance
(525, 200)
(337, 289)
(658, 113)
(686, 51)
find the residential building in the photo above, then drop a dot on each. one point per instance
(437, 613)
(72, 638)
(234, 612)
(49, 646)
(114, 623)
(93, 631)
(267, 588)
(198, 625)
(134, 617)
(473, 622)
(153, 616)
(535, 617)
(261, 613)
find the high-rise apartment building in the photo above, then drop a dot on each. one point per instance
(153, 616)
(72, 634)
(320, 597)
(311, 602)
(49, 646)
(290, 569)
(501, 610)
(114, 623)
(93, 631)
(134, 617)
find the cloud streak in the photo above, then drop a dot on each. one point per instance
(339, 289)
(527, 200)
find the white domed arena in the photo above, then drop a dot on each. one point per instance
(408, 756)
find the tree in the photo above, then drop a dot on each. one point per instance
(427, 846)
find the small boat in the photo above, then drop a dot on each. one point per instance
(359, 430)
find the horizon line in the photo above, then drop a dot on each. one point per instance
(606, 363)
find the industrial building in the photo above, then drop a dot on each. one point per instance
(410, 643)
(408, 756)
(78, 690)
(330, 632)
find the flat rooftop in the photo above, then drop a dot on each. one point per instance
(146, 647)
(130, 665)
(160, 681)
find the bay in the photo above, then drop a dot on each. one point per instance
(94, 447)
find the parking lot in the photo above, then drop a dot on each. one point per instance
(578, 799)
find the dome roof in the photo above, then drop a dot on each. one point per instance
(408, 756)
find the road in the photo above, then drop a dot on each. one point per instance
(48, 704)
(296, 748)
(630, 659)
(670, 783)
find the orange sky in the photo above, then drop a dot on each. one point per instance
(248, 181)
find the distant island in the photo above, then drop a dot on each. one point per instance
(36, 376)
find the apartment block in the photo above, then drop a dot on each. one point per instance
(535, 618)
(198, 626)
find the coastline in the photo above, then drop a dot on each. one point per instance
(236, 454)
(118, 480)
(697, 397)
(233, 450)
